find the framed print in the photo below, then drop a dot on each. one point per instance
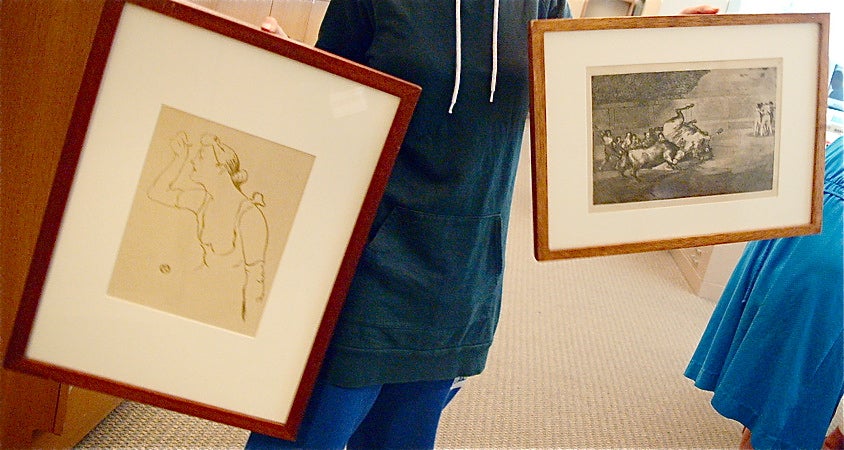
(653, 133)
(213, 196)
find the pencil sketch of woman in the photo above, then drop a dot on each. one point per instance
(231, 228)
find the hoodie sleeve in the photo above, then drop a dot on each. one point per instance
(558, 9)
(347, 29)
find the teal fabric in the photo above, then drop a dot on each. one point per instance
(425, 299)
(773, 352)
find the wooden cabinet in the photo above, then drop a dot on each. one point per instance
(82, 410)
(707, 269)
(45, 45)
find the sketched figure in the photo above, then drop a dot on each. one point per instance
(769, 111)
(231, 228)
(612, 150)
(686, 135)
(764, 125)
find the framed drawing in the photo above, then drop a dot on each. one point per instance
(652, 133)
(213, 196)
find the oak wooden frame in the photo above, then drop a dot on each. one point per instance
(562, 51)
(378, 106)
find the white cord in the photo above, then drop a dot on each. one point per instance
(494, 52)
(457, 62)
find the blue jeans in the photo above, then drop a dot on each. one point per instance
(389, 416)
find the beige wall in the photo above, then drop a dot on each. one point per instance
(650, 8)
(300, 19)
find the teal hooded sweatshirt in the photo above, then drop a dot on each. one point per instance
(425, 299)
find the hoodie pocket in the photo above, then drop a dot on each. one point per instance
(432, 272)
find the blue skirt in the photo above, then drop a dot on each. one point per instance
(773, 354)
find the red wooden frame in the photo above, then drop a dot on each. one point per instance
(407, 94)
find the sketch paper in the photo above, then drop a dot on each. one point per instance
(209, 222)
(665, 136)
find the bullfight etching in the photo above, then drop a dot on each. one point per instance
(683, 134)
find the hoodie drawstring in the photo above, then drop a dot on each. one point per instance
(458, 54)
(457, 58)
(494, 75)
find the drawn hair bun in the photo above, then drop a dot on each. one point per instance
(258, 199)
(226, 156)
